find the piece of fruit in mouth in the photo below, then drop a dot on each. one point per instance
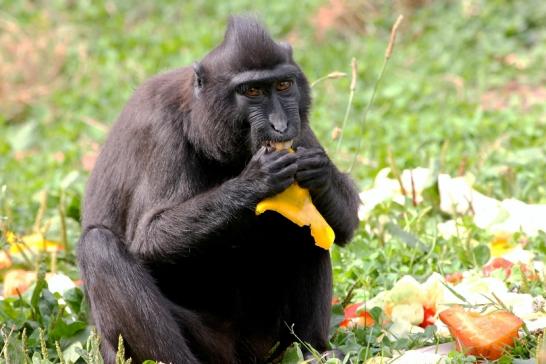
(278, 145)
(296, 205)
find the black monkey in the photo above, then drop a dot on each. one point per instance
(172, 255)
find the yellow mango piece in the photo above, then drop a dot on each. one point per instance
(296, 205)
(501, 244)
(34, 242)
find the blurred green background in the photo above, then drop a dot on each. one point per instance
(465, 85)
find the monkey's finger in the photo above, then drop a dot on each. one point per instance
(301, 151)
(285, 183)
(270, 157)
(311, 174)
(259, 153)
(288, 171)
(317, 154)
(282, 162)
(278, 153)
(312, 183)
(312, 163)
(280, 182)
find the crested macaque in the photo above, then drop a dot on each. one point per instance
(172, 254)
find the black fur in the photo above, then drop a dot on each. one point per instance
(172, 255)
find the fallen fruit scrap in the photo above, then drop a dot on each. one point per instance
(486, 336)
(410, 306)
(457, 198)
(354, 316)
(18, 281)
(33, 242)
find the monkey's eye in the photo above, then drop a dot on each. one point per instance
(283, 85)
(253, 92)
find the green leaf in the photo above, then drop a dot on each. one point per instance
(377, 314)
(73, 208)
(293, 355)
(70, 354)
(406, 237)
(481, 254)
(64, 330)
(23, 137)
(41, 284)
(69, 179)
(336, 318)
(74, 298)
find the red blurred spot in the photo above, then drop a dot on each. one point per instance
(428, 316)
(354, 318)
(454, 278)
(498, 263)
(506, 265)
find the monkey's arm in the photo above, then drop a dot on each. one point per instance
(338, 202)
(183, 228)
(186, 228)
(333, 193)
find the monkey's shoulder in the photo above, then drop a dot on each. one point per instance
(158, 100)
(164, 84)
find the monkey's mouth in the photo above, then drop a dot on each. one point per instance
(278, 145)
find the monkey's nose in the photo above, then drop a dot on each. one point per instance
(278, 122)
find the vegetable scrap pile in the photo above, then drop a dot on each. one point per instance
(457, 199)
(478, 309)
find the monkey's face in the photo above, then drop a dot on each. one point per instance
(269, 103)
(248, 92)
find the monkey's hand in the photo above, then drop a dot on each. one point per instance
(332, 192)
(270, 172)
(314, 169)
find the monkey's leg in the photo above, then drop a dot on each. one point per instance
(310, 298)
(125, 300)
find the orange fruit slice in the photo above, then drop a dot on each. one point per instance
(486, 335)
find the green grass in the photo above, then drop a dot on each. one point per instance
(427, 112)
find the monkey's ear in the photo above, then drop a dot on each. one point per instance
(199, 73)
(287, 47)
